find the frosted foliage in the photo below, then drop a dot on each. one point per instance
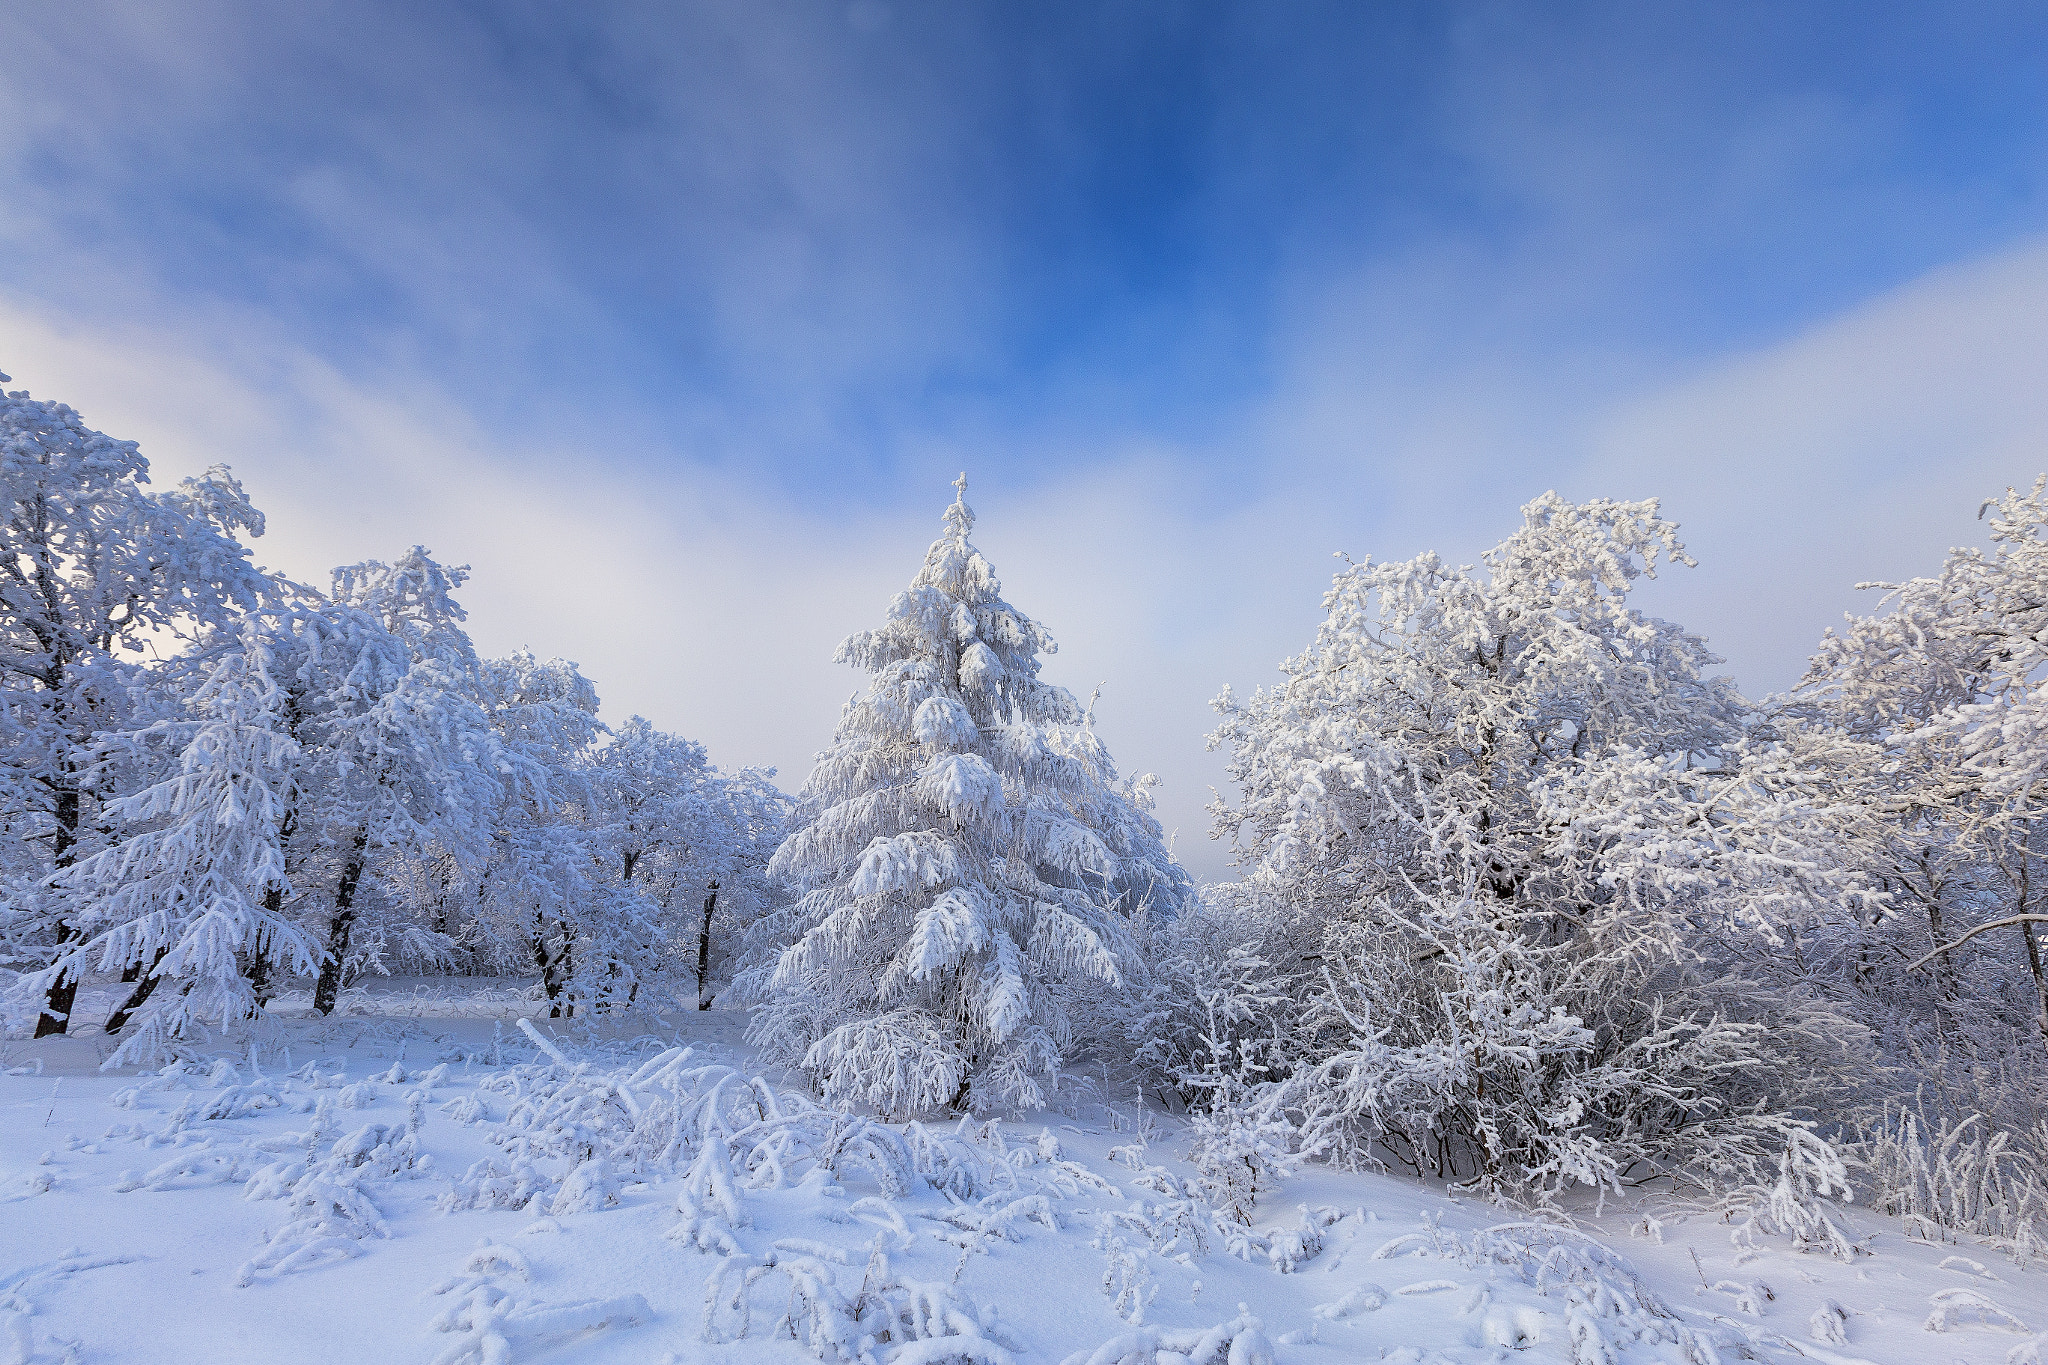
(1922, 725)
(1509, 815)
(965, 858)
(390, 695)
(398, 750)
(1990, 612)
(202, 877)
(539, 885)
(95, 568)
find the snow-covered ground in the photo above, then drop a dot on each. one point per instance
(419, 1180)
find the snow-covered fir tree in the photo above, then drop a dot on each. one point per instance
(93, 566)
(966, 861)
(192, 901)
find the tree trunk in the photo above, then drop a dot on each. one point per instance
(328, 987)
(441, 900)
(261, 988)
(555, 968)
(256, 970)
(2023, 883)
(2040, 981)
(1944, 970)
(567, 1009)
(63, 993)
(118, 1020)
(1939, 931)
(704, 950)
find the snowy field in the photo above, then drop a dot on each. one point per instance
(419, 1179)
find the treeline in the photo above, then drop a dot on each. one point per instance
(1535, 900)
(216, 778)
(1531, 898)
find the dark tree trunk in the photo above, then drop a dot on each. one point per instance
(256, 970)
(2040, 981)
(1943, 969)
(555, 968)
(327, 989)
(63, 993)
(261, 988)
(704, 951)
(441, 902)
(2023, 882)
(567, 1009)
(138, 997)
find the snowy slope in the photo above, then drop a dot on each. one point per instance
(439, 1188)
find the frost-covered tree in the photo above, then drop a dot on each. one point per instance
(1925, 723)
(543, 885)
(1519, 844)
(752, 816)
(196, 891)
(965, 861)
(397, 753)
(694, 841)
(92, 566)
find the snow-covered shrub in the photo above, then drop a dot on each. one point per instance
(1242, 1151)
(1954, 1179)
(1602, 1306)
(1207, 1010)
(1811, 1176)
(1240, 1341)
(926, 1323)
(329, 1200)
(1517, 850)
(491, 1322)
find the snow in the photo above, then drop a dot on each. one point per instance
(423, 1178)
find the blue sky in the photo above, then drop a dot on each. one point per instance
(676, 319)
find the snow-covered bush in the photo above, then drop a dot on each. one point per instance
(1510, 832)
(1206, 1010)
(1948, 1180)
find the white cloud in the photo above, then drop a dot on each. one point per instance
(712, 605)
(1857, 451)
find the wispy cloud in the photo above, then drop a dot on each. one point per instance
(712, 605)
(674, 322)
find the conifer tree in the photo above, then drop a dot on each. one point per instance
(967, 863)
(196, 891)
(93, 567)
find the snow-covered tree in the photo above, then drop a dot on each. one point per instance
(543, 885)
(695, 842)
(196, 891)
(1520, 843)
(92, 566)
(965, 860)
(1924, 722)
(382, 697)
